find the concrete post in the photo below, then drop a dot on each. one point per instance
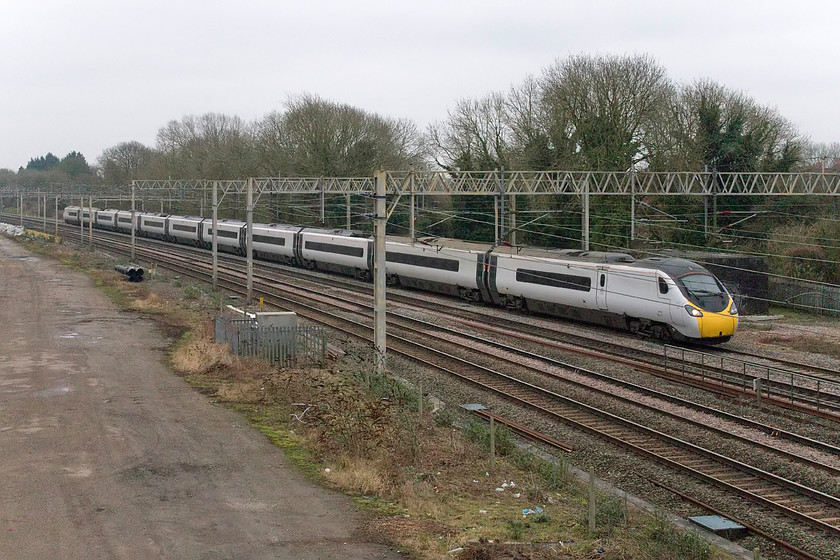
(133, 222)
(411, 216)
(249, 232)
(585, 220)
(380, 225)
(215, 238)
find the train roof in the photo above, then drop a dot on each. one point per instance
(337, 231)
(673, 266)
(526, 251)
(187, 217)
(566, 254)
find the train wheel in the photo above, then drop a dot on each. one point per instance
(661, 332)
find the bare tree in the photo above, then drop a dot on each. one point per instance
(124, 162)
(821, 156)
(319, 137)
(604, 108)
(475, 136)
(210, 146)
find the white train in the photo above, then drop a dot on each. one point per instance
(664, 298)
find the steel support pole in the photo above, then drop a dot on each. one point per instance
(496, 220)
(380, 224)
(411, 215)
(215, 240)
(502, 215)
(321, 191)
(513, 219)
(632, 207)
(249, 232)
(81, 221)
(21, 209)
(347, 206)
(56, 217)
(133, 223)
(714, 212)
(45, 213)
(90, 221)
(585, 220)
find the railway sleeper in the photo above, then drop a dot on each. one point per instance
(783, 499)
(701, 465)
(669, 454)
(741, 482)
(816, 513)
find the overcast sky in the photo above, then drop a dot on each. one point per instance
(89, 74)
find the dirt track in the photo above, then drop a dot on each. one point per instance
(107, 454)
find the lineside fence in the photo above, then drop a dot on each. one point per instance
(286, 346)
(808, 296)
(751, 378)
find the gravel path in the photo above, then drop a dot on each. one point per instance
(107, 454)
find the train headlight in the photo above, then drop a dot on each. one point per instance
(693, 311)
(733, 310)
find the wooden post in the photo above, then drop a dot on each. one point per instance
(420, 401)
(492, 445)
(591, 501)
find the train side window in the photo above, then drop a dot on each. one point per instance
(603, 280)
(663, 286)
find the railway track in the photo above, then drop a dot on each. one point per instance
(817, 509)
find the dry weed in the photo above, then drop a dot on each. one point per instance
(361, 477)
(241, 392)
(200, 356)
(150, 303)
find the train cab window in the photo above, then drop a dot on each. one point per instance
(663, 286)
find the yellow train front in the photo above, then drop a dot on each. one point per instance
(710, 314)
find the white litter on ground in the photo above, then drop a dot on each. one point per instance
(9, 229)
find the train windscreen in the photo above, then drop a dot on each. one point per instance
(704, 291)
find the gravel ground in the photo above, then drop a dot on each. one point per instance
(630, 472)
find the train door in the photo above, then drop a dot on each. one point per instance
(601, 288)
(668, 296)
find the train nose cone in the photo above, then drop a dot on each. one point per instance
(714, 325)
